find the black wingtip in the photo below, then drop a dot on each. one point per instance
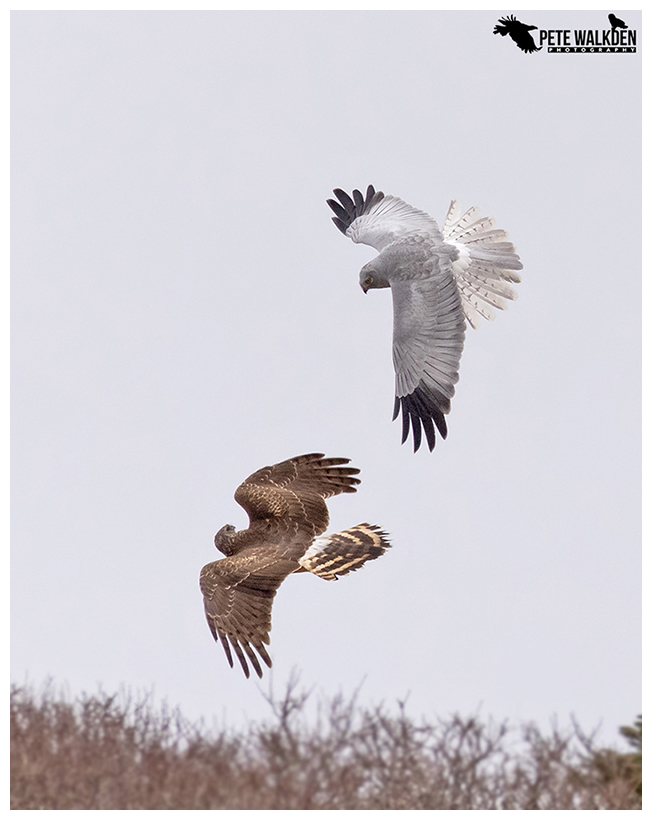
(422, 410)
(348, 209)
(337, 209)
(345, 199)
(406, 422)
(416, 430)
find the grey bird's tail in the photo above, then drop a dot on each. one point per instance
(487, 263)
(332, 556)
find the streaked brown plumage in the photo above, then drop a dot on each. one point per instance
(287, 512)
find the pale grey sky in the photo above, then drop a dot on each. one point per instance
(185, 312)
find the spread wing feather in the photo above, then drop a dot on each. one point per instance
(238, 595)
(347, 210)
(428, 342)
(379, 220)
(486, 264)
(294, 490)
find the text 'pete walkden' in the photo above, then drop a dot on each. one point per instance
(588, 41)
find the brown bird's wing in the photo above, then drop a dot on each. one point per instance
(293, 491)
(238, 595)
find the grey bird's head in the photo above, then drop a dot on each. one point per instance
(224, 539)
(372, 276)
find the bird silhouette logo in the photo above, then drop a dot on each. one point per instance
(519, 32)
(616, 23)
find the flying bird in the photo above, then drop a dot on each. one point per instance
(616, 22)
(287, 514)
(437, 278)
(519, 32)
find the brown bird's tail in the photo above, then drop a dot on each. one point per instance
(334, 555)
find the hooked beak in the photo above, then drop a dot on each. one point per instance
(364, 289)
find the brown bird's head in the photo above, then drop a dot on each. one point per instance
(224, 539)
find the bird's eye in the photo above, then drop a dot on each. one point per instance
(368, 280)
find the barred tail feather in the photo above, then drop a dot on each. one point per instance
(332, 556)
(487, 261)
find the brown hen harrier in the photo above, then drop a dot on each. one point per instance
(287, 511)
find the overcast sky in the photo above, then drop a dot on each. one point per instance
(185, 312)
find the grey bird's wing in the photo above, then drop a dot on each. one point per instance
(378, 220)
(427, 348)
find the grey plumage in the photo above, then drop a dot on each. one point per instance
(437, 278)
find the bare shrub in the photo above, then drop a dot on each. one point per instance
(108, 752)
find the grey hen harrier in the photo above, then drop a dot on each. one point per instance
(287, 511)
(438, 277)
